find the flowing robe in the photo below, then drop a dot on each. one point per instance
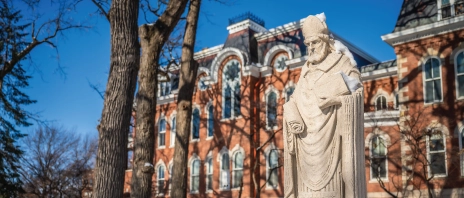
(326, 158)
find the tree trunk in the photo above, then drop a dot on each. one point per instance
(114, 124)
(152, 39)
(188, 74)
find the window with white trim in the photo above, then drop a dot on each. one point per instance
(378, 151)
(195, 176)
(160, 180)
(432, 81)
(164, 88)
(224, 172)
(273, 168)
(271, 110)
(196, 124)
(279, 62)
(237, 170)
(209, 174)
(459, 68)
(461, 146)
(162, 133)
(231, 89)
(172, 137)
(210, 130)
(381, 103)
(436, 147)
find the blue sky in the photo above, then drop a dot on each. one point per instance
(68, 99)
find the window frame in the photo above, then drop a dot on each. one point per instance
(209, 121)
(461, 146)
(209, 170)
(235, 169)
(232, 91)
(159, 165)
(194, 159)
(173, 130)
(161, 132)
(267, 158)
(268, 92)
(424, 80)
(371, 156)
(275, 59)
(456, 74)
(192, 139)
(222, 152)
(429, 170)
(386, 103)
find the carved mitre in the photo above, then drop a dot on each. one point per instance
(315, 26)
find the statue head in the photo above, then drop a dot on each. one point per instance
(316, 36)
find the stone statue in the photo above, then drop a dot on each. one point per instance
(323, 121)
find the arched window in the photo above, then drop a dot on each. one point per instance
(271, 110)
(173, 131)
(195, 176)
(160, 180)
(237, 170)
(196, 124)
(378, 158)
(459, 64)
(210, 121)
(162, 133)
(289, 91)
(209, 174)
(273, 171)
(436, 147)
(279, 62)
(381, 103)
(231, 89)
(432, 81)
(225, 171)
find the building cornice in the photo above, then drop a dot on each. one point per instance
(207, 52)
(279, 30)
(376, 74)
(246, 24)
(424, 31)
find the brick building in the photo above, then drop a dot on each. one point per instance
(413, 108)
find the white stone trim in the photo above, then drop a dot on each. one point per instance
(274, 50)
(425, 31)
(172, 133)
(207, 52)
(243, 25)
(380, 73)
(222, 55)
(381, 118)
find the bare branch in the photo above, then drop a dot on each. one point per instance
(102, 10)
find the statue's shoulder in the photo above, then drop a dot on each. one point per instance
(346, 66)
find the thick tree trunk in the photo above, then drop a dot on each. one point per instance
(188, 74)
(115, 120)
(152, 39)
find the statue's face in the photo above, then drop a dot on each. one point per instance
(317, 49)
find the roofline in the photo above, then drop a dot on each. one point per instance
(295, 25)
(424, 31)
(207, 52)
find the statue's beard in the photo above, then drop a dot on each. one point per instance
(318, 55)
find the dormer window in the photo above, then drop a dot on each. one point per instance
(445, 9)
(459, 7)
(450, 8)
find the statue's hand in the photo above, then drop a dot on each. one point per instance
(330, 101)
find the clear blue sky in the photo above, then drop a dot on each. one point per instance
(71, 102)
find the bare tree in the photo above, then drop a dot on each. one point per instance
(119, 95)
(57, 162)
(152, 39)
(188, 74)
